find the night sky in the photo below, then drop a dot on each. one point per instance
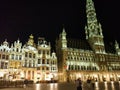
(19, 19)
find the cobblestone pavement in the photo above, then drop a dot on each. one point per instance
(69, 86)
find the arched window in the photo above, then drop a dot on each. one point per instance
(17, 50)
(12, 56)
(39, 51)
(6, 57)
(25, 63)
(30, 55)
(48, 61)
(3, 56)
(43, 61)
(47, 68)
(71, 67)
(20, 57)
(16, 57)
(84, 68)
(39, 61)
(81, 67)
(33, 55)
(4, 50)
(78, 67)
(26, 54)
(30, 64)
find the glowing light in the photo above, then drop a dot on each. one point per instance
(22, 75)
(112, 85)
(96, 86)
(37, 87)
(95, 75)
(106, 86)
(1, 74)
(119, 84)
(53, 86)
(104, 76)
(111, 76)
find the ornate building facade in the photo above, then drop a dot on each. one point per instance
(30, 61)
(91, 58)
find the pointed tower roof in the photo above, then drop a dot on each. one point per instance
(90, 11)
(94, 28)
(5, 42)
(90, 5)
(116, 44)
(31, 36)
(63, 32)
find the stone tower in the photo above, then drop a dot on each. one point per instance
(93, 29)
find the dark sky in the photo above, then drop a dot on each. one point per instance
(19, 19)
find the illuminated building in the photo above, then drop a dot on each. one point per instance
(4, 58)
(47, 63)
(91, 58)
(15, 60)
(30, 61)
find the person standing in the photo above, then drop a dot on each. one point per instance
(25, 83)
(79, 84)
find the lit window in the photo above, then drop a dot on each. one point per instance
(16, 57)
(3, 56)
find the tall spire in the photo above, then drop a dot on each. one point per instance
(93, 29)
(93, 26)
(90, 10)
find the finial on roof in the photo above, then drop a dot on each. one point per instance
(31, 36)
